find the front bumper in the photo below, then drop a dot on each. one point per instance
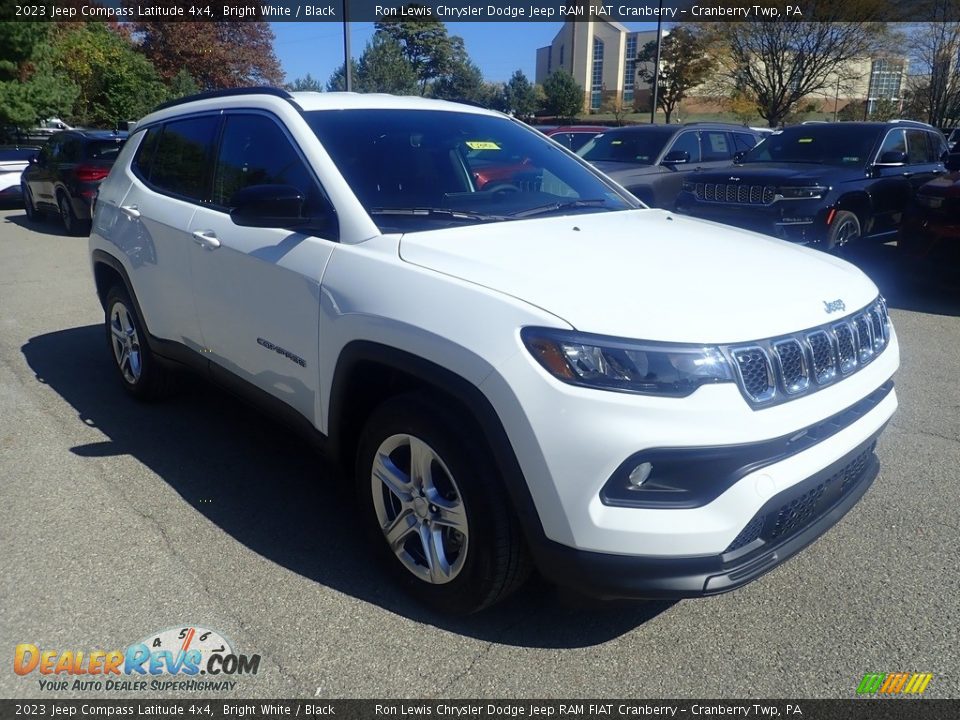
(784, 525)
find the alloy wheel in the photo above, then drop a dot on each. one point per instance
(420, 509)
(126, 343)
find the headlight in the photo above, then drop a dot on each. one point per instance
(802, 193)
(607, 363)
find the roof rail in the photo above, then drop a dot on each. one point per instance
(229, 92)
(917, 123)
(714, 122)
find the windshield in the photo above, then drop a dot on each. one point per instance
(455, 168)
(821, 144)
(638, 147)
(104, 149)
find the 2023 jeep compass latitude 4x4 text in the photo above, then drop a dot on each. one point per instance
(537, 373)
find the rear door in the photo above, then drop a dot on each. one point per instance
(258, 289)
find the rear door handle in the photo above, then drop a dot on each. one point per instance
(131, 211)
(206, 239)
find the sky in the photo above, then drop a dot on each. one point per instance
(498, 48)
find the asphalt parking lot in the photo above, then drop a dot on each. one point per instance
(118, 520)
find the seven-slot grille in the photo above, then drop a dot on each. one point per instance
(733, 193)
(782, 368)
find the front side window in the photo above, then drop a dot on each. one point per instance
(895, 141)
(255, 151)
(688, 142)
(183, 156)
(418, 168)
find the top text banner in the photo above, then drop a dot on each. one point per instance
(480, 10)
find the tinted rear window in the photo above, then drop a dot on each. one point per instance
(183, 156)
(103, 149)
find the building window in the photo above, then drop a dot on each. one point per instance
(549, 59)
(886, 77)
(629, 69)
(596, 82)
(561, 56)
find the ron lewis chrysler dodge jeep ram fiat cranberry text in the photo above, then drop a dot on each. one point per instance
(537, 373)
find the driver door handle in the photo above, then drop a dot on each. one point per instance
(206, 239)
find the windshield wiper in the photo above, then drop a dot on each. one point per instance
(554, 206)
(439, 212)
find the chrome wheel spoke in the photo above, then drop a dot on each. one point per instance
(392, 477)
(421, 463)
(450, 514)
(118, 334)
(398, 530)
(433, 550)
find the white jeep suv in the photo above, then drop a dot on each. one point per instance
(516, 362)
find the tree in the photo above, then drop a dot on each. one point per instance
(30, 89)
(218, 54)
(464, 82)
(383, 68)
(742, 105)
(684, 64)
(307, 82)
(563, 97)
(616, 107)
(934, 88)
(520, 96)
(115, 82)
(338, 80)
(182, 85)
(782, 62)
(426, 45)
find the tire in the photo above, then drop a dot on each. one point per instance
(138, 369)
(844, 231)
(455, 542)
(33, 215)
(71, 223)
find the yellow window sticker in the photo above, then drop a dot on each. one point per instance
(805, 140)
(482, 145)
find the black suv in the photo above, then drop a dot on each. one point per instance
(822, 184)
(652, 161)
(63, 178)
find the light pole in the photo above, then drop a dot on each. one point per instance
(347, 70)
(656, 65)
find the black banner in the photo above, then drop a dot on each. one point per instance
(854, 709)
(483, 10)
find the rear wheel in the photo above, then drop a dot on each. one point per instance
(32, 213)
(140, 372)
(435, 508)
(844, 230)
(71, 223)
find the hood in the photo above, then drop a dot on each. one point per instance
(648, 274)
(774, 174)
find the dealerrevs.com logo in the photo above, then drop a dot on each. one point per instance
(180, 659)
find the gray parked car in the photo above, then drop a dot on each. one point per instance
(652, 161)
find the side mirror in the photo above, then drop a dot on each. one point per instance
(892, 157)
(676, 157)
(738, 156)
(268, 206)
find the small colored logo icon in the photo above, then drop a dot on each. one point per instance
(902, 683)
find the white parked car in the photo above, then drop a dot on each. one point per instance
(13, 161)
(539, 373)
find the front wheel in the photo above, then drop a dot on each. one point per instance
(844, 230)
(435, 507)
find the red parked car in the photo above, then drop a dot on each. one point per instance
(931, 227)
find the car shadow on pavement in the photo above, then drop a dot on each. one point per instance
(45, 225)
(269, 490)
(909, 285)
